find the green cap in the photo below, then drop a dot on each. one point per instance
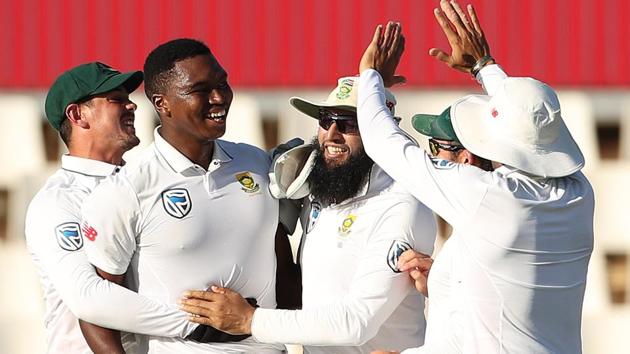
(83, 81)
(435, 126)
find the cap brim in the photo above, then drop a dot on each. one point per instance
(311, 109)
(130, 81)
(473, 125)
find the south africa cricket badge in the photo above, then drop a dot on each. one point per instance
(346, 225)
(248, 184)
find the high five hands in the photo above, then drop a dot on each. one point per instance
(464, 34)
(384, 52)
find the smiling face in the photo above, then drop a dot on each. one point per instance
(337, 146)
(111, 119)
(197, 101)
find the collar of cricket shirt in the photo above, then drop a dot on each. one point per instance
(88, 167)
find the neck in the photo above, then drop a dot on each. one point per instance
(199, 152)
(93, 152)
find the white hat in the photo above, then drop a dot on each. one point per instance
(344, 96)
(520, 126)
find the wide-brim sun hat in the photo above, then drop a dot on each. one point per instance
(520, 126)
(344, 96)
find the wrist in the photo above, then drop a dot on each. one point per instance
(483, 61)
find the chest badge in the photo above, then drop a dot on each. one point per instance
(69, 236)
(247, 182)
(316, 209)
(346, 225)
(176, 202)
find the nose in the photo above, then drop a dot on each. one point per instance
(216, 97)
(333, 132)
(131, 106)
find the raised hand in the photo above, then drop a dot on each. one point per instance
(418, 266)
(465, 36)
(384, 52)
(221, 308)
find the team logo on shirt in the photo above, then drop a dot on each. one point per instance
(69, 236)
(176, 202)
(247, 181)
(346, 225)
(442, 164)
(316, 209)
(395, 250)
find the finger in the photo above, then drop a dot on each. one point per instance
(376, 39)
(398, 39)
(202, 304)
(474, 19)
(462, 16)
(195, 311)
(410, 254)
(422, 264)
(200, 294)
(200, 320)
(440, 55)
(389, 35)
(453, 17)
(445, 24)
(221, 290)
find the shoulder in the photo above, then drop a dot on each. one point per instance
(61, 192)
(246, 152)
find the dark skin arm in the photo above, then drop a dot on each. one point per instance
(288, 274)
(103, 340)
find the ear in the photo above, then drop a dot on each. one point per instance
(74, 114)
(466, 157)
(161, 104)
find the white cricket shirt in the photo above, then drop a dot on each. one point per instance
(354, 300)
(178, 226)
(521, 248)
(69, 283)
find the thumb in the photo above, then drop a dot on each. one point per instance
(439, 54)
(398, 80)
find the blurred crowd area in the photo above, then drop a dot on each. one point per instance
(599, 120)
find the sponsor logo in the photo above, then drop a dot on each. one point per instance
(346, 225)
(441, 164)
(344, 89)
(247, 181)
(89, 232)
(176, 202)
(316, 209)
(395, 250)
(69, 236)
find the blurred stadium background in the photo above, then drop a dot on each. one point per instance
(275, 49)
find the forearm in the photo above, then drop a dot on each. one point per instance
(101, 340)
(490, 77)
(101, 302)
(288, 274)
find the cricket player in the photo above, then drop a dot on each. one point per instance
(356, 222)
(192, 210)
(524, 231)
(90, 108)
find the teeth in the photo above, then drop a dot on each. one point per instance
(333, 150)
(219, 114)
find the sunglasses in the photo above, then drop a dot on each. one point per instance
(346, 123)
(436, 147)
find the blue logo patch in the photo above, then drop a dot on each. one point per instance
(395, 250)
(69, 236)
(441, 164)
(176, 202)
(316, 208)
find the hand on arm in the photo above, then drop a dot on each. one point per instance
(100, 339)
(417, 265)
(465, 36)
(221, 308)
(384, 52)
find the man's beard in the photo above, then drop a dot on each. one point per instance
(334, 184)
